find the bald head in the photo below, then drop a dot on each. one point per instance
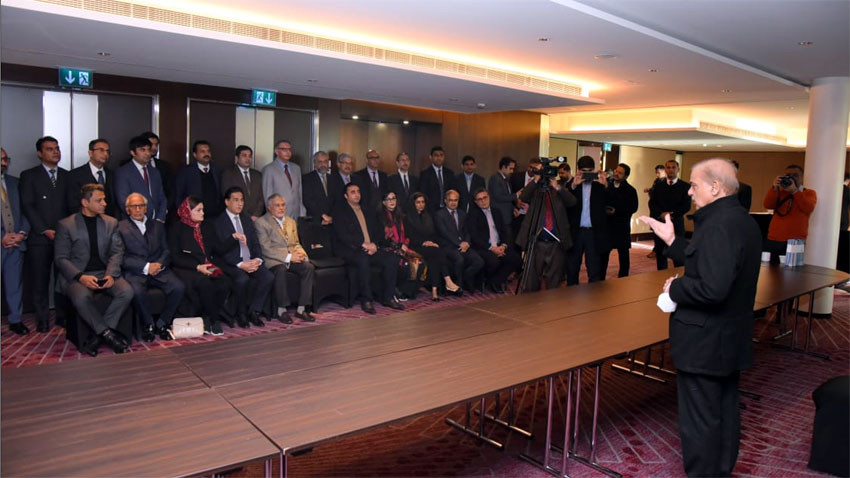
(713, 179)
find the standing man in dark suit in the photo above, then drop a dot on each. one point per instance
(354, 231)
(93, 172)
(402, 183)
(201, 178)
(625, 203)
(711, 329)
(166, 172)
(502, 197)
(146, 264)
(453, 238)
(488, 236)
(316, 190)
(468, 182)
(589, 221)
(138, 177)
(250, 180)
(44, 200)
(745, 191)
(374, 180)
(89, 253)
(436, 179)
(337, 181)
(14, 233)
(243, 256)
(669, 196)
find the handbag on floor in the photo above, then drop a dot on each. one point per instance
(187, 328)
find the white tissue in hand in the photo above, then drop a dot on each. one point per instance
(665, 303)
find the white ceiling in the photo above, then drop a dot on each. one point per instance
(698, 47)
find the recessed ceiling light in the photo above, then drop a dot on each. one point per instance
(704, 145)
(312, 80)
(405, 122)
(790, 107)
(543, 39)
(481, 106)
(605, 56)
(103, 53)
(725, 90)
(355, 117)
(653, 70)
(805, 43)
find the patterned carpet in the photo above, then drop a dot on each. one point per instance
(637, 423)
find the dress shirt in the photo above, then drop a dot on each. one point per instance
(233, 219)
(439, 171)
(672, 182)
(346, 178)
(142, 227)
(494, 234)
(374, 176)
(201, 167)
(586, 187)
(95, 170)
(289, 254)
(468, 181)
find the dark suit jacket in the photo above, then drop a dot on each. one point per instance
(316, 201)
(228, 246)
(430, 186)
(42, 204)
(625, 202)
(186, 254)
(255, 203)
(663, 197)
(128, 180)
(745, 195)
(72, 248)
(166, 173)
(396, 186)
(336, 188)
(502, 199)
(517, 180)
(347, 235)
(466, 194)
(559, 210)
(79, 177)
(449, 234)
(711, 330)
(600, 197)
(369, 197)
(21, 224)
(140, 249)
(479, 231)
(188, 183)
(420, 228)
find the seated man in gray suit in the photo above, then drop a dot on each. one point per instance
(282, 252)
(88, 255)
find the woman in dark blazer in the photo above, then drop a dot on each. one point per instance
(193, 247)
(419, 226)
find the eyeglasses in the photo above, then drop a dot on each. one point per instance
(373, 157)
(137, 206)
(283, 149)
(391, 199)
(482, 198)
(102, 150)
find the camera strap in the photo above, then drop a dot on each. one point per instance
(788, 199)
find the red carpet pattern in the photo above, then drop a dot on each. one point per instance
(637, 434)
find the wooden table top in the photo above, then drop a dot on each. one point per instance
(779, 283)
(186, 434)
(303, 408)
(237, 360)
(70, 387)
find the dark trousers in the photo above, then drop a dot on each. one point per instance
(622, 255)
(435, 259)
(464, 266)
(709, 423)
(584, 244)
(362, 262)
(660, 258)
(40, 262)
(499, 268)
(205, 294)
(250, 291)
(547, 262)
(83, 299)
(304, 271)
(12, 262)
(166, 281)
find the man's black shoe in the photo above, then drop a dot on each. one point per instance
(393, 304)
(114, 341)
(43, 326)
(227, 318)
(148, 334)
(242, 321)
(285, 318)
(305, 316)
(163, 333)
(255, 319)
(91, 347)
(367, 307)
(19, 328)
(496, 289)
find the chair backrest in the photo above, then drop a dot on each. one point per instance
(315, 238)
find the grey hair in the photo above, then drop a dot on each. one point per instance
(273, 197)
(127, 201)
(720, 170)
(343, 156)
(317, 154)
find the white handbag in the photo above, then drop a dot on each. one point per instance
(187, 328)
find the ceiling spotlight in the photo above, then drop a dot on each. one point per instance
(653, 70)
(805, 43)
(405, 122)
(543, 39)
(605, 56)
(103, 53)
(704, 145)
(481, 106)
(355, 117)
(725, 90)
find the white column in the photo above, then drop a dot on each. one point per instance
(826, 146)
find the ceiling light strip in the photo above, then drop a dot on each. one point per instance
(187, 20)
(715, 128)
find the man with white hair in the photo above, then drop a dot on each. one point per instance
(712, 327)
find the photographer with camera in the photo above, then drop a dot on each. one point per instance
(589, 218)
(548, 239)
(792, 204)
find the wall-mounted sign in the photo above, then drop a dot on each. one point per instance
(264, 98)
(76, 78)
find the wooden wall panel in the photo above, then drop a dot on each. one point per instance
(354, 139)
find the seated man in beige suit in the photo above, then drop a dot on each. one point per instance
(282, 252)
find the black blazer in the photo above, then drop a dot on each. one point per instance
(228, 246)
(313, 196)
(42, 204)
(79, 177)
(420, 228)
(395, 185)
(479, 231)
(466, 194)
(600, 197)
(186, 254)
(429, 186)
(166, 173)
(663, 197)
(711, 330)
(336, 189)
(449, 234)
(140, 249)
(745, 195)
(188, 183)
(369, 197)
(625, 202)
(255, 203)
(347, 235)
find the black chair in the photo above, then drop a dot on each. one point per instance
(79, 333)
(330, 278)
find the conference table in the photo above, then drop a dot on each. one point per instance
(206, 408)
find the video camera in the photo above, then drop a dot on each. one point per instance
(551, 165)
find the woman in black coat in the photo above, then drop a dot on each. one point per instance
(420, 229)
(193, 246)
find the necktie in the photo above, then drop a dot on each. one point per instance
(406, 186)
(549, 218)
(53, 177)
(8, 220)
(324, 182)
(243, 248)
(145, 177)
(507, 184)
(247, 178)
(670, 182)
(286, 172)
(374, 180)
(440, 179)
(100, 179)
(206, 169)
(454, 218)
(346, 179)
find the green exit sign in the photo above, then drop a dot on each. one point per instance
(264, 98)
(76, 78)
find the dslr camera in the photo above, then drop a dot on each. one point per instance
(550, 166)
(786, 181)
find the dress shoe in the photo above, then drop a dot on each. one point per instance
(305, 316)
(393, 304)
(255, 319)
(114, 341)
(43, 326)
(163, 333)
(213, 329)
(285, 318)
(367, 307)
(242, 321)
(19, 328)
(496, 289)
(435, 299)
(227, 319)
(92, 346)
(148, 334)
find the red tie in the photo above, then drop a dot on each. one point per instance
(549, 219)
(286, 172)
(145, 176)
(670, 182)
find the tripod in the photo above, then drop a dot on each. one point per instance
(535, 212)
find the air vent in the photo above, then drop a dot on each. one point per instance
(253, 31)
(360, 50)
(66, 3)
(170, 16)
(299, 39)
(110, 6)
(330, 45)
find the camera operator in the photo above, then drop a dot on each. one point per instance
(553, 240)
(792, 205)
